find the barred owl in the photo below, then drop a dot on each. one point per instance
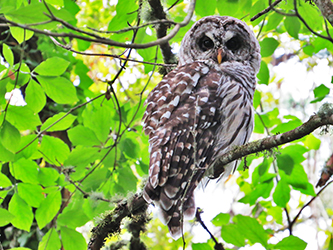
(198, 112)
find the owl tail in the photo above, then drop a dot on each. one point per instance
(175, 223)
(169, 208)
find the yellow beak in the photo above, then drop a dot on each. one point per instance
(219, 56)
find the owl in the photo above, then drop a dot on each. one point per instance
(198, 112)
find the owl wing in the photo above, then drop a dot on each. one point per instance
(181, 119)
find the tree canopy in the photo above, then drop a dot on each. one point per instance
(74, 76)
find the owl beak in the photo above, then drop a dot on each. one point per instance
(219, 55)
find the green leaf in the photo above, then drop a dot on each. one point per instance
(22, 212)
(233, 234)
(312, 142)
(48, 176)
(8, 54)
(129, 145)
(292, 25)
(35, 96)
(22, 117)
(221, 219)
(25, 170)
(286, 126)
(299, 180)
(263, 74)
(50, 241)
(3, 84)
(125, 14)
(72, 218)
(23, 14)
(204, 9)
(48, 208)
(259, 127)
(99, 121)
(80, 135)
(273, 21)
(81, 156)
(296, 152)
(20, 248)
(72, 239)
(251, 229)
(126, 179)
(309, 50)
(281, 195)
(60, 122)
(31, 193)
(268, 46)
(9, 136)
(228, 7)
(260, 173)
(201, 246)
(262, 190)
(285, 163)
(54, 150)
(291, 243)
(59, 89)
(276, 212)
(5, 181)
(256, 99)
(320, 93)
(5, 155)
(20, 34)
(56, 2)
(28, 151)
(54, 66)
(5, 217)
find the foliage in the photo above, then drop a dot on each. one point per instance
(71, 140)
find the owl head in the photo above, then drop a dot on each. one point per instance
(219, 39)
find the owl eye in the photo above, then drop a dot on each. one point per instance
(234, 43)
(205, 43)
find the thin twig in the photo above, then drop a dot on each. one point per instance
(69, 48)
(134, 27)
(307, 204)
(265, 11)
(218, 246)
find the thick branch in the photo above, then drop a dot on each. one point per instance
(326, 8)
(324, 117)
(111, 223)
(161, 30)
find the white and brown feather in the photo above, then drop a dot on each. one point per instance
(196, 113)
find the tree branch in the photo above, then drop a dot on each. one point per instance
(265, 11)
(90, 37)
(218, 246)
(161, 30)
(111, 224)
(324, 117)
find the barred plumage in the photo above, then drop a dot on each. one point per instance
(199, 111)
